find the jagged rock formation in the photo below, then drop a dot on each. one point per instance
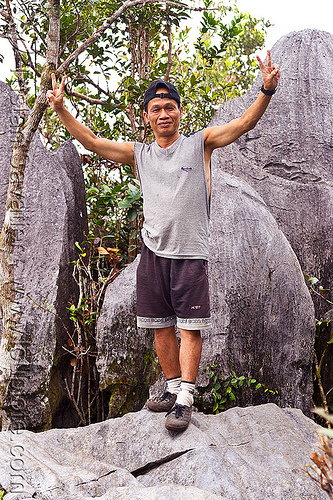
(263, 316)
(287, 157)
(255, 453)
(53, 216)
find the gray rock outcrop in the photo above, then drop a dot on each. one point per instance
(287, 157)
(287, 160)
(255, 453)
(263, 315)
(53, 216)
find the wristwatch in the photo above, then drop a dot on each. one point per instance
(267, 92)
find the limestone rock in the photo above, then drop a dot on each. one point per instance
(263, 315)
(126, 360)
(255, 453)
(287, 157)
(160, 492)
(53, 216)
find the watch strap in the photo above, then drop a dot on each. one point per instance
(267, 92)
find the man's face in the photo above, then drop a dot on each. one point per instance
(163, 115)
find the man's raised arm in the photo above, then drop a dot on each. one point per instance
(217, 137)
(120, 152)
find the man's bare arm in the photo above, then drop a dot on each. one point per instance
(216, 137)
(120, 152)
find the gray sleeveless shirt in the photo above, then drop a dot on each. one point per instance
(175, 197)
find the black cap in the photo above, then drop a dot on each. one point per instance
(151, 92)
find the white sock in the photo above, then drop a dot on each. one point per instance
(185, 397)
(173, 385)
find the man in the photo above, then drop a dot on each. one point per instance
(174, 174)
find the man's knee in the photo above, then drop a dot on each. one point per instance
(165, 332)
(190, 334)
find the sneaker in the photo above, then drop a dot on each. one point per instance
(178, 418)
(163, 403)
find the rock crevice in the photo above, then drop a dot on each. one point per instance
(255, 453)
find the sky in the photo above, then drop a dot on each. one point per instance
(286, 15)
(290, 15)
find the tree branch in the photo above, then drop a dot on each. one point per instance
(73, 93)
(134, 62)
(107, 23)
(170, 58)
(30, 62)
(38, 52)
(15, 45)
(5, 15)
(18, 66)
(320, 385)
(40, 104)
(53, 35)
(30, 21)
(72, 399)
(88, 80)
(74, 33)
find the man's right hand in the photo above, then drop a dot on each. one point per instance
(120, 152)
(56, 95)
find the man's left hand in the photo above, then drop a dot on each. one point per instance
(270, 72)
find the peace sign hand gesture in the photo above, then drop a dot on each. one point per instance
(270, 73)
(56, 96)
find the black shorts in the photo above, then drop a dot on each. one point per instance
(172, 292)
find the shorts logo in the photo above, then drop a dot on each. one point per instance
(186, 169)
(195, 307)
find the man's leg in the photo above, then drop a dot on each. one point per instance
(166, 345)
(167, 349)
(179, 416)
(175, 361)
(190, 354)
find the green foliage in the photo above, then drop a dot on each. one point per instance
(224, 389)
(222, 66)
(94, 258)
(114, 205)
(95, 267)
(114, 72)
(320, 292)
(322, 349)
(329, 420)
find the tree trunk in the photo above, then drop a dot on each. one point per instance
(12, 336)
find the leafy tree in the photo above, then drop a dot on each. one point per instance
(106, 85)
(110, 52)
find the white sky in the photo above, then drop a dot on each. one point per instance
(286, 15)
(290, 15)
